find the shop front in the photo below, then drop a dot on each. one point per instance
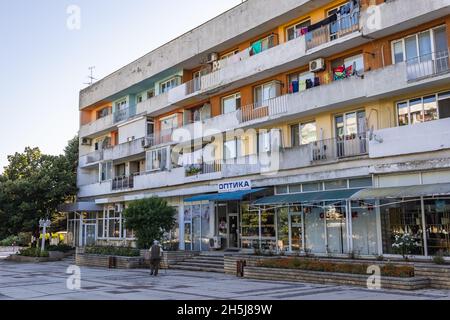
(215, 221)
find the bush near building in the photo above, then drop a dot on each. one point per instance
(34, 252)
(387, 270)
(23, 239)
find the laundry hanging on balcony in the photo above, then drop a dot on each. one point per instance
(256, 48)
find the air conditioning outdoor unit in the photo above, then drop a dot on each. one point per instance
(317, 65)
(215, 243)
(118, 207)
(212, 57)
(86, 142)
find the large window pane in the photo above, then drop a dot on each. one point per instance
(437, 217)
(430, 108)
(364, 227)
(398, 52)
(403, 114)
(283, 229)
(411, 49)
(308, 133)
(416, 111)
(425, 46)
(268, 234)
(400, 216)
(249, 227)
(207, 228)
(314, 229)
(336, 227)
(295, 135)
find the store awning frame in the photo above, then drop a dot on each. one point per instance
(415, 191)
(80, 207)
(307, 197)
(226, 196)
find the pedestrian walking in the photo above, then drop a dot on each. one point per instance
(155, 258)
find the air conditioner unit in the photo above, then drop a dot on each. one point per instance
(86, 142)
(215, 243)
(118, 207)
(212, 57)
(317, 65)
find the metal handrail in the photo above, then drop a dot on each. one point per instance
(428, 65)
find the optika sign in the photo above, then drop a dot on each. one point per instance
(235, 186)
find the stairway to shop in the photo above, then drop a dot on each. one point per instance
(205, 262)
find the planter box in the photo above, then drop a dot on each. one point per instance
(439, 275)
(260, 273)
(17, 258)
(170, 258)
(103, 261)
(56, 255)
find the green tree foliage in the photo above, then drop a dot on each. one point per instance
(33, 185)
(150, 218)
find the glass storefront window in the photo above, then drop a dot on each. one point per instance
(314, 228)
(336, 215)
(196, 227)
(296, 225)
(437, 217)
(364, 227)
(249, 227)
(206, 226)
(400, 217)
(283, 229)
(268, 234)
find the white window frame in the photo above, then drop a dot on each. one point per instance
(174, 121)
(229, 54)
(416, 35)
(234, 96)
(344, 114)
(407, 101)
(277, 86)
(149, 159)
(169, 84)
(110, 169)
(294, 26)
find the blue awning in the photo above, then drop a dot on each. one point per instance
(228, 196)
(294, 198)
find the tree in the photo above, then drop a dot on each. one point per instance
(33, 186)
(150, 218)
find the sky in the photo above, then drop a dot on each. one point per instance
(45, 55)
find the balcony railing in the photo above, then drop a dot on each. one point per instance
(203, 168)
(124, 114)
(337, 148)
(271, 107)
(162, 137)
(428, 65)
(332, 31)
(124, 182)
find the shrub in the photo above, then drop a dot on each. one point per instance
(61, 247)
(388, 270)
(23, 239)
(33, 252)
(439, 258)
(113, 251)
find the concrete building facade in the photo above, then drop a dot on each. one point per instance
(293, 126)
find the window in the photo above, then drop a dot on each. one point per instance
(266, 92)
(231, 103)
(169, 123)
(350, 125)
(150, 93)
(297, 30)
(121, 105)
(444, 105)
(347, 67)
(157, 159)
(281, 189)
(229, 54)
(230, 149)
(301, 81)
(103, 112)
(421, 47)
(360, 183)
(169, 84)
(263, 44)
(303, 134)
(139, 98)
(106, 171)
(311, 187)
(335, 184)
(420, 110)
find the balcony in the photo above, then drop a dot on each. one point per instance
(125, 150)
(333, 31)
(124, 114)
(203, 168)
(96, 127)
(91, 159)
(422, 137)
(339, 148)
(429, 65)
(123, 183)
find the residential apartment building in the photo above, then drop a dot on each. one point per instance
(296, 126)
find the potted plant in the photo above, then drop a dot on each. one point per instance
(404, 244)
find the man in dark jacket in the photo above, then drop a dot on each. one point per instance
(155, 258)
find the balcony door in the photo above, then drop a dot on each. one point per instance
(351, 134)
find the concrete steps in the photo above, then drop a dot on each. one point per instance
(203, 263)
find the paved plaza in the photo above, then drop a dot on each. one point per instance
(48, 282)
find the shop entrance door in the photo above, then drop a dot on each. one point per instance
(296, 232)
(233, 235)
(88, 234)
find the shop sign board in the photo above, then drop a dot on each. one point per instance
(235, 186)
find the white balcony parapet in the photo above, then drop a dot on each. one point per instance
(422, 137)
(125, 150)
(99, 125)
(90, 159)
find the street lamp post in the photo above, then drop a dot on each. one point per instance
(44, 224)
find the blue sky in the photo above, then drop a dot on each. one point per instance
(43, 64)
